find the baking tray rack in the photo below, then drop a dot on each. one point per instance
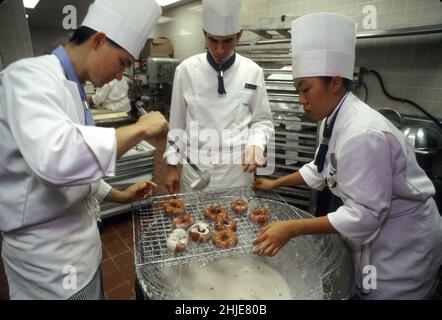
(152, 226)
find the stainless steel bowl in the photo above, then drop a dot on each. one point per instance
(393, 116)
(425, 140)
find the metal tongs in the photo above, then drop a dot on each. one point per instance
(204, 175)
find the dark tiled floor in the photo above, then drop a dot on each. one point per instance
(118, 262)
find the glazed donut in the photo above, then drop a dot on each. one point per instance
(223, 222)
(225, 239)
(177, 240)
(214, 210)
(260, 215)
(174, 206)
(239, 206)
(200, 232)
(182, 220)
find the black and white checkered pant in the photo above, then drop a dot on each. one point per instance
(93, 290)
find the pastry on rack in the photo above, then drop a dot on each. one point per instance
(225, 239)
(239, 206)
(200, 232)
(177, 240)
(174, 206)
(213, 211)
(260, 215)
(182, 220)
(224, 222)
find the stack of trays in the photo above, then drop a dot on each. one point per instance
(135, 165)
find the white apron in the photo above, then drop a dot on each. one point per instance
(238, 120)
(222, 176)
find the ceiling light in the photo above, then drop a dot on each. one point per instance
(164, 3)
(30, 4)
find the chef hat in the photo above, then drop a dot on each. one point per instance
(323, 44)
(221, 17)
(127, 24)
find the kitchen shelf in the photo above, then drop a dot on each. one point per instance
(273, 36)
(295, 135)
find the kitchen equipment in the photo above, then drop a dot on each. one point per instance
(160, 70)
(425, 139)
(296, 135)
(153, 81)
(139, 106)
(427, 143)
(393, 116)
(204, 175)
(312, 267)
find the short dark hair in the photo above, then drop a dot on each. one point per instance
(347, 83)
(82, 34)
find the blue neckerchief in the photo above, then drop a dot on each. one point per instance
(326, 134)
(220, 68)
(69, 71)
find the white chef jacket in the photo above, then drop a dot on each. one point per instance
(388, 216)
(50, 166)
(197, 108)
(113, 95)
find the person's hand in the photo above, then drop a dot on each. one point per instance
(275, 236)
(262, 184)
(155, 124)
(173, 180)
(139, 190)
(253, 158)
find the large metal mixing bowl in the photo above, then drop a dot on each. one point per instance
(312, 267)
(425, 139)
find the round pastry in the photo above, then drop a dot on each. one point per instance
(182, 220)
(200, 232)
(260, 215)
(214, 210)
(223, 222)
(177, 240)
(174, 206)
(239, 206)
(225, 239)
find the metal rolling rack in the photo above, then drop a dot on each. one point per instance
(296, 136)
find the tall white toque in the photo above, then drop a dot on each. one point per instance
(323, 44)
(222, 17)
(127, 23)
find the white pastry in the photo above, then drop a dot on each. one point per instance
(177, 240)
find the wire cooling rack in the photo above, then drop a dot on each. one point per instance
(152, 226)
